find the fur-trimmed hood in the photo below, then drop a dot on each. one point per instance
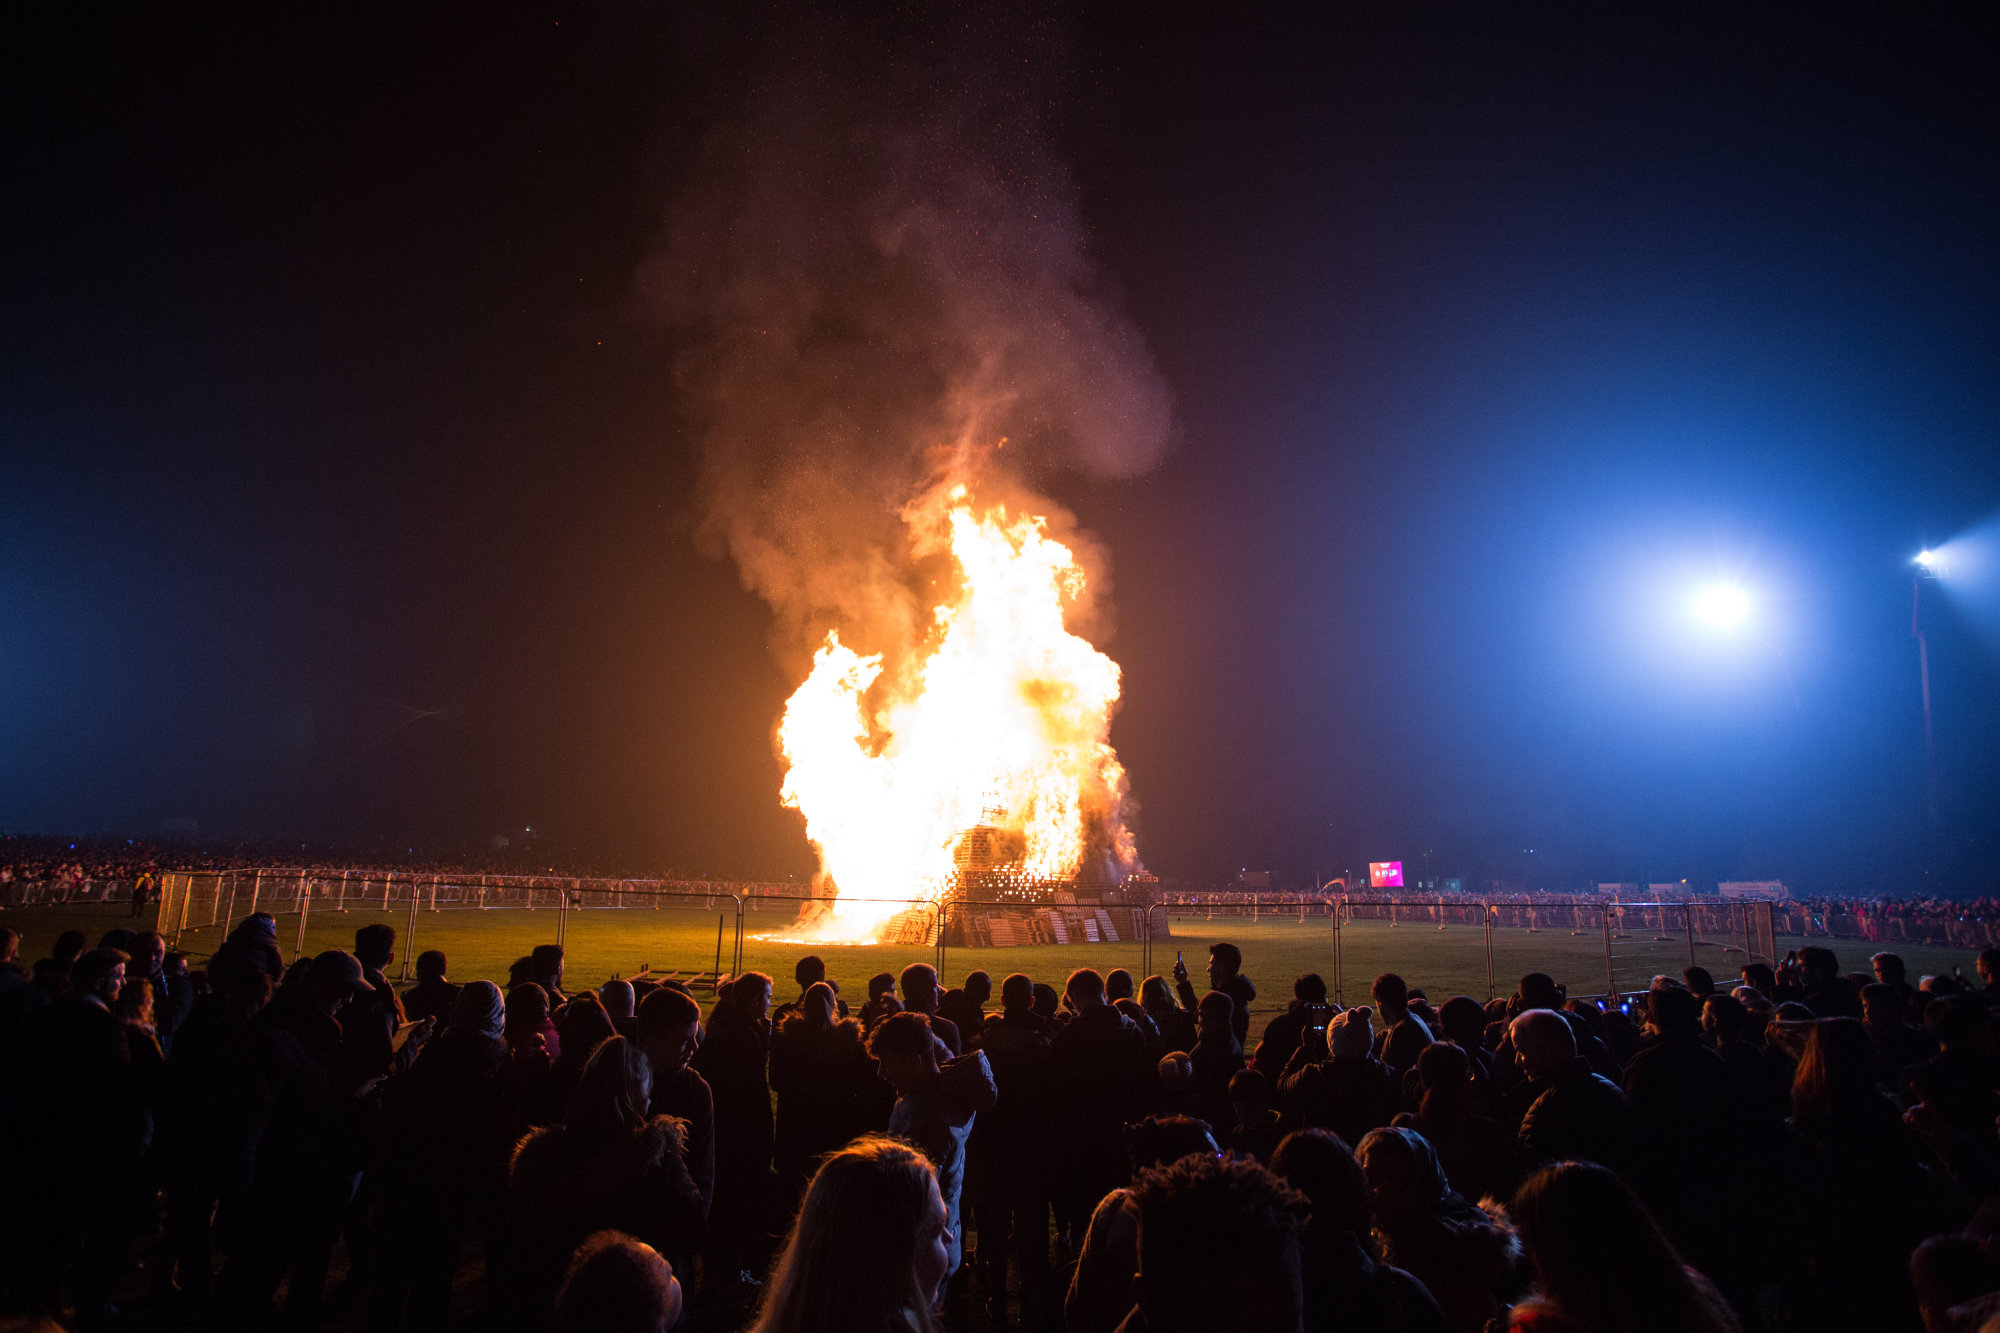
(546, 1158)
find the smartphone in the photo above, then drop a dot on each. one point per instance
(1180, 963)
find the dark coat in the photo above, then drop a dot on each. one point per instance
(1579, 1115)
(685, 1095)
(821, 1079)
(1105, 1075)
(251, 947)
(1346, 1094)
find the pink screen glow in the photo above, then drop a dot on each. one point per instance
(1385, 874)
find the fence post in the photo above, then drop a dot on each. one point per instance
(1486, 913)
(718, 951)
(230, 910)
(181, 924)
(434, 893)
(305, 907)
(1687, 919)
(562, 916)
(410, 934)
(255, 885)
(1610, 970)
(340, 903)
(943, 912)
(388, 885)
(736, 964)
(1338, 905)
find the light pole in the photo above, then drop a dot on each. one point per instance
(1929, 566)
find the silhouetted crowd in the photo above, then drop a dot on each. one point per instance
(1805, 1149)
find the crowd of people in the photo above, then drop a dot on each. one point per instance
(248, 1144)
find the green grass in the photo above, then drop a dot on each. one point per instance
(599, 943)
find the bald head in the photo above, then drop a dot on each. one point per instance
(1543, 1042)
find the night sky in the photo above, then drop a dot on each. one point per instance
(350, 494)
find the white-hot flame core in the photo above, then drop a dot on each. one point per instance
(1008, 710)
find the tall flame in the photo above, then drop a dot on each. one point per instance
(1004, 719)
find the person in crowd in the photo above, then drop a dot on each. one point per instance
(251, 947)
(1958, 1082)
(820, 1072)
(1283, 1034)
(305, 1120)
(810, 971)
(85, 1113)
(375, 946)
(1225, 974)
(173, 996)
(1566, 1109)
(1401, 1035)
(1464, 1022)
(581, 1027)
(1175, 1025)
(1347, 1287)
(965, 1007)
(1726, 1025)
(1477, 1151)
(936, 1105)
(617, 1284)
(1987, 968)
(433, 995)
(881, 1001)
(1350, 1092)
(1218, 1250)
(734, 1058)
(1461, 1255)
(669, 1034)
(52, 973)
(18, 992)
(1004, 1168)
(1216, 1057)
(1122, 992)
(1821, 987)
(1100, 1290)
(621, 1006)
(1890, 971)
(919, 983)
(545, 969)
(444, 1150)
(869, 1250)
(608, 1164)
(1601, 1263)
(1258, 1128)
(1698, 981)
(1048, 1004)
(1898, 1043)
(1100, 1063)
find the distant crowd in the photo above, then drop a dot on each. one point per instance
(215, 1145)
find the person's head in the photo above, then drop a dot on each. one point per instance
(375, 945)
(978, 987)
(1157, 1140)
(1724, 1018)
(1225, 960)
(1882, 1005)
(616, 1284)
(882, 983)
(1117, 985)
(1218, 1248)
(1819, 963)
(545, 965)
(333, 978)
(905, 1050)
(1464, 1021)
(1156, 993)
(1309, 988)
(1961, 1023)
(1391, 996)
(10, 944)
(149, 953)
(750, 995)
(527, 1008)
(1406, 1181)
(1673, 1011)
(1249, 1095)
(1544, 1043)
(1446, 1073)
(478, 1009)
(818, 1005)
(616, 996)
(809, 970)
(1085, 989)
(135, 1003)
(118, 938)
(868, 1249)
(920, 989)
(1215, 1017)
(1046, 1001)
(69, 947)
(1761, 978)
(1838, 1062)
(431, 965)
(1698, 981)
(1599, 1257)
(1317, 1164)
(1988, 966)
(256, 926)
(244, 995)
(1017, 992)
(669, 1029)
(612, 1096)
(1350, 1034)
(1889, 968)
(583, 1025)
(1538, 990)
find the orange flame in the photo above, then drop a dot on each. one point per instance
(1004, 720)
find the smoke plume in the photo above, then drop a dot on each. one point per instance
(876, 273)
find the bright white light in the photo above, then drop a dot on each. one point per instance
(1927, 558)
(1722, 607)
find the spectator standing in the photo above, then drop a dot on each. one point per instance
(1004, 1157)
(1176, 1025)
(733, 1058)
(1225, 974)
(251, 947)
(810, 971)
(1105, 1074)
(433, 995)
(820, 1072)
(1401, 1035)
(1457, 1252)
(920, 996)
(617, 1284)
(1350, 1092)
(1216, 1057)
(1347, 1286)
(965, 1007)
(173, 996)
(1283, 1034)
(935, 1104)
(1566, 1109)
(670, 1033)
(1218, 1250)
(1476, 1151)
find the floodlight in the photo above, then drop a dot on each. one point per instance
(1722, 607)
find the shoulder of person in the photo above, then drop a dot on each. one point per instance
(535, 1159)
(661, 1136)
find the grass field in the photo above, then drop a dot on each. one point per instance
(600, 943)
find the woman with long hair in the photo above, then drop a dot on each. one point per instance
(868, 1249)
(1602, 1265)
(821, 1074)
(1347, 1286)
(606, 1165)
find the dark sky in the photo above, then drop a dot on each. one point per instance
(346, 497)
